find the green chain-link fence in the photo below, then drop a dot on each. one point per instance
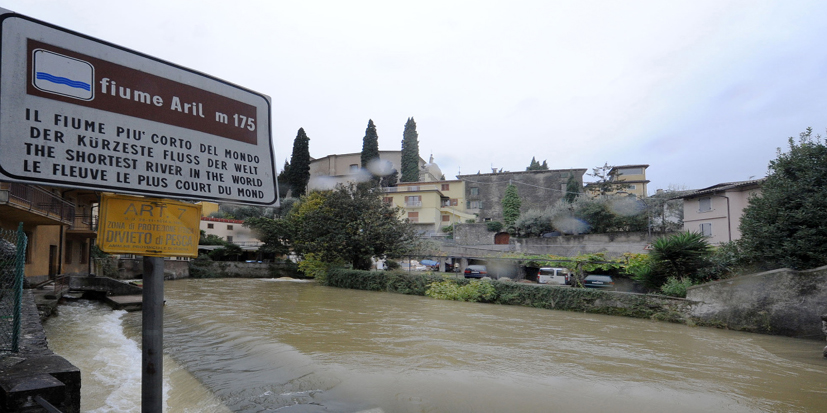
(12, 257)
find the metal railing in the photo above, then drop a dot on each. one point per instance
(61, 284)
(12, 260)
(84, 223)
(38, 200)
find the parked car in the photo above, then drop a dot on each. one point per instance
(552, 275)
(476, 271)
(599, 281)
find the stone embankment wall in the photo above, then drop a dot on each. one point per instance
(133, 268)
(231, 269)
(783, 302)
(37, 371)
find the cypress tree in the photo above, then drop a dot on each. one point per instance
(283, 180)
(370, 144)
(511, 205)
(572, 189)
(299, 173)
(410, 153)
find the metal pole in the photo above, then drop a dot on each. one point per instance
(152, 363)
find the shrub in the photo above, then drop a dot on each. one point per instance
(676, 287)
(201, 267)
(679, 255)
(494, 226)
(474, 291)
(313, 267)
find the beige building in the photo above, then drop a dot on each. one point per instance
(58, 223)
(716, 211)
(327, 172)
(430, 205)
(231, 230)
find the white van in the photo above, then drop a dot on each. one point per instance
(551, 275)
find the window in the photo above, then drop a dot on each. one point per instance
(229, 238)
(446, 218)
(475, 204)
(413, 216)
(629, 171)
(706, 229)
(354, 167)
(475, 191)
(446, 187)
(229, 227)
(209, 226)
(632, 187)
(454, 202)
(70, 246)
(388, 200)
(704, 204)
(413, 200)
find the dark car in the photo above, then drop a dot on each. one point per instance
(599, 281)
(476, 271)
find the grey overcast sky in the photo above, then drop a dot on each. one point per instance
(702, 91)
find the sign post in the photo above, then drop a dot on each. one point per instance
(82, 113)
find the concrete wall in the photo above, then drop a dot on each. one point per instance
(37, 371)
(132, 268)
(537, 189)
(103, 284)
(480, 240)
(783, 302)
(232, 269)
(473, 234)
(613, 245)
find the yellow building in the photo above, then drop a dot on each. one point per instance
(632, 178)
(58, 223)
(430, 205)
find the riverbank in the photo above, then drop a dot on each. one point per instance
(780, 302)
(656, 307)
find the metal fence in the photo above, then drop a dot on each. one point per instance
(12, 257)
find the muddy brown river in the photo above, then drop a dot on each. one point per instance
(238, 345)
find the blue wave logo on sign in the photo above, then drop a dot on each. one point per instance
(63, 75)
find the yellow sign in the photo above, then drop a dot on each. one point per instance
(148, 226)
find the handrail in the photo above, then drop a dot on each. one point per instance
(42, 201)
(46, 405)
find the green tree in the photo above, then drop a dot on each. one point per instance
(537, 166)
(284, 180)
(665, 210)
(606, 183)
(350, 224)
(679, 256)
(410, 153)
(275, 233)
(370, 144)
(511, 205)
(299, 171)
(573, 189)
(786, 225)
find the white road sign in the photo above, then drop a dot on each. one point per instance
(82, 113)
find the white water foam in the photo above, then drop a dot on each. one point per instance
(110, 362)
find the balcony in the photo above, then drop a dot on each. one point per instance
(412, 188)
(84, 223)
(21, 202)
(413, 204)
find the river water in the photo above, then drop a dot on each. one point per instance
(263, 346)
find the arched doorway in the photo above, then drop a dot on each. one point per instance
(501, 238)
